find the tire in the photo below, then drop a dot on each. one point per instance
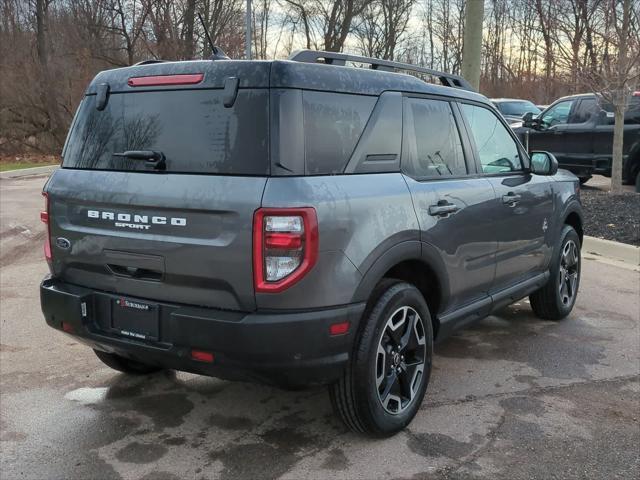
(125, 365)
(584, 180)
(638, 181)
(556, 299)
(632, 176)
(383, 386)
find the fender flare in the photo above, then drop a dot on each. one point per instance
(413, 250)
(572, 206)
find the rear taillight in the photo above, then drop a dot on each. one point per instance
(44, 217)
(285, 246)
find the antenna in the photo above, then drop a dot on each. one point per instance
(216, 52)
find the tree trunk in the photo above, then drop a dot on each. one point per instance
(189, 21)
(47, 90)
(472, 47)
(621, 97)
(618, 138)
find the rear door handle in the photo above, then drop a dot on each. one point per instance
(511, 198)
(443, 208)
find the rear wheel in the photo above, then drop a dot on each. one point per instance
(383, 386)
(556, 299)
(125, 365)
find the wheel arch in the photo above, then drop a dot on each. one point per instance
(573, 217)
(414, 262)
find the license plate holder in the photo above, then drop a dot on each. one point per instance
(135, 319)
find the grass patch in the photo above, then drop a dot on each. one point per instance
(4, 167)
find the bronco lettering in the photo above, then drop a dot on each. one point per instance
(136, 221)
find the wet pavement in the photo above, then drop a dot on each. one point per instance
(510, 397)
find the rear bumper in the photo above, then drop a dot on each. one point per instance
(284, 348)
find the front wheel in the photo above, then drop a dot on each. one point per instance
(556, 299)
(384, 384)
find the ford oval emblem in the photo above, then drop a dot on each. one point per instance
(63, 243)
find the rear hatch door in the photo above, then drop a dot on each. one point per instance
(176, 233)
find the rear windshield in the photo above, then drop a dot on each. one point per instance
(192, 128)
(631, 114)
(517, 108)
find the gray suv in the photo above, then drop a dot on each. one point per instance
(299, 222)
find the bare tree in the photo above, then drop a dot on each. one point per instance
(382, 25)
(47, 91)
(128, 21)
(625, 73)
(261, 18)
(536, 49)
(327, 21)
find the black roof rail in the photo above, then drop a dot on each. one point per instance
(149, 62)
(336, 58)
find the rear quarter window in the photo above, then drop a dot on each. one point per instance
(192, 128)
(333, 124)
(434, 147)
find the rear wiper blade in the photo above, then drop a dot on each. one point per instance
(151, 157)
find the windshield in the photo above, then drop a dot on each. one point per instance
(192, 128)
(518, 108)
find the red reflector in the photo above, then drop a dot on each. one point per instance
(157, 80)
(283, 240)
(201, 356)
(44, 217)
(339, 328)
(67, 327)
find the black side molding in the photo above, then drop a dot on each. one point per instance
(453, 321)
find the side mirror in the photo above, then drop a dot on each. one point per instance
(527, 120)
(543, 163)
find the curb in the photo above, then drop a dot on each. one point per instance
(27, 172)
(620, 252)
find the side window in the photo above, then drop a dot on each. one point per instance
(497, 150)
(585, 109)
(333, 124)
(433, 140)
(559, 113)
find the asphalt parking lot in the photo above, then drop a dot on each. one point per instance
(511, 397)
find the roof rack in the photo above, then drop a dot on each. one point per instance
(335, 58)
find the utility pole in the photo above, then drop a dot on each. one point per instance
(472, 47)
(248, 32)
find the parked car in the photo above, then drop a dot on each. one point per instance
(514, 109)
(299, 223)
(578, 130)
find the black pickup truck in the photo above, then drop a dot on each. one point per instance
(578, 130)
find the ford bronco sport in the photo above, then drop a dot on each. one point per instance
(299, 222)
